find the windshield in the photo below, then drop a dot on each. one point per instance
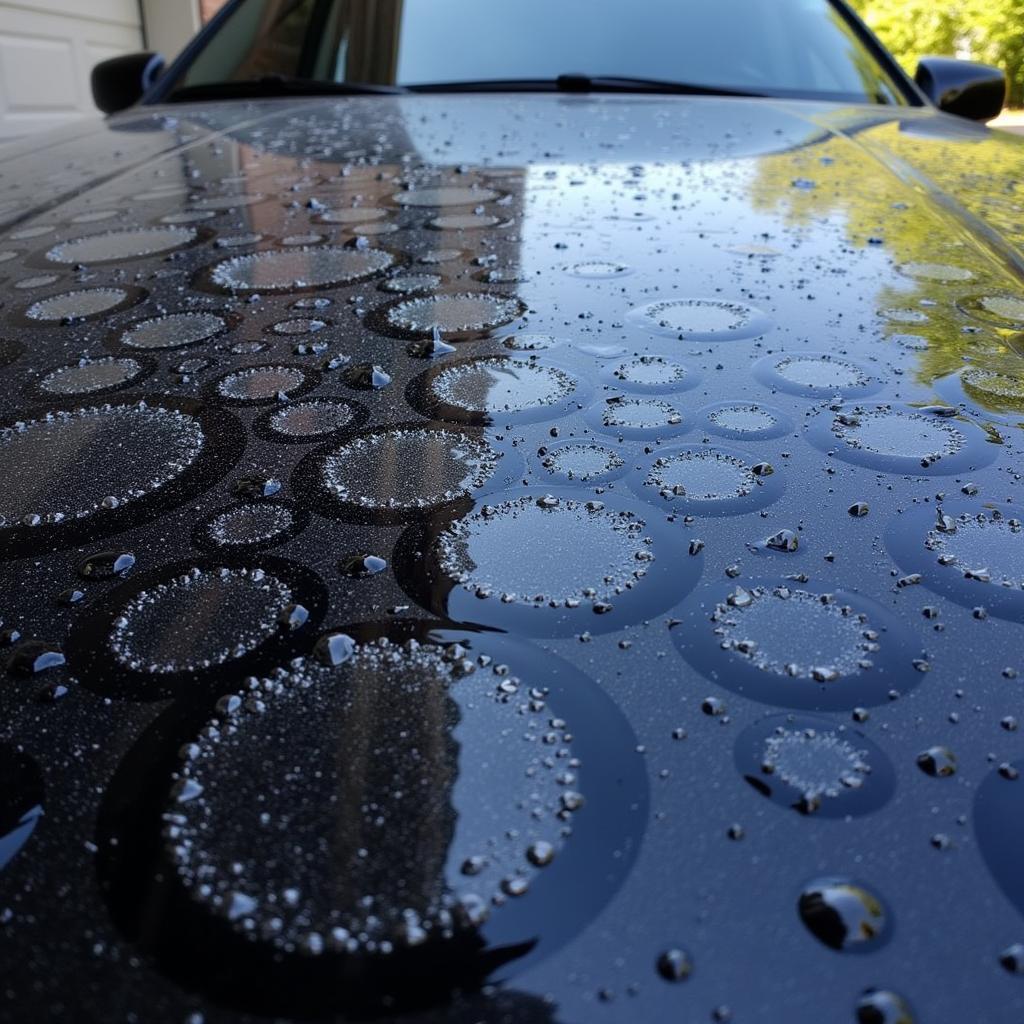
(803, 48)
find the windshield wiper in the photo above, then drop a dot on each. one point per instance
(584, 83)
(270, 86)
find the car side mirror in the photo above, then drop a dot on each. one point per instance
(120, 82)
(961, 87)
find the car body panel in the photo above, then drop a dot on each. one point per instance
(840, 268)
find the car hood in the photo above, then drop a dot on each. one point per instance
(666, 441)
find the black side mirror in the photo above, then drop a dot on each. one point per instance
(962, 87)
(122, 81)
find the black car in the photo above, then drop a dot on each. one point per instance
(511, 514)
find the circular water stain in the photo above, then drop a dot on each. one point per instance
(598, 270)
(703, 481)
(84, 304)
(744, 421)
(642, 418)
(493, 388)
(991, 388)
(411, 284)
(912, 342)
(782, 643)
(652, 374)
(531, 342)
(226, 202)
(21, 801)
(299, 325)
(844, 915)
(904, 316)
(446, 196)
(901, 439)
(972, 555)
(941, 272)
(301, 269)
(701, 319)
(261, 384)
(255, 526)
(815, 766)
(155, 632)
(91, 375)
(584, 462)
(815, 375)
(187, 216)
(174, 330)
(1001, 310)
(39, 281)
(352, 215)
(587, 565)
(92, 216)
(999, 827)
(400, 472)
(132, 243)
(463, 221)
(458, 316)
(310, 420)
(435, 256)
(95, 460)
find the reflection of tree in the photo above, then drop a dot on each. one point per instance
(931, 197)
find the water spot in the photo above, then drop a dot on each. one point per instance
(39, 281)
(7, 255)
(106, 565)
(814, 375)
(880, 1006)
(78, 305)
(598, 270)
(352, 215)
(674, 964)
(815, 766)
(33, 231)
(706, 481)
(463, 221)
(299, 325)
(701, 319)
(155, 632)
(939, 762)
(530, 342)
(96, 459)
(435, 256)
(1002, 310)
(411, 284)
(446, 196)
(935, 272)
(983, 548)
(313, 418)
(1011, 958)
(174, 330)
(238, 241)
(475, 390)
(21, 801)
(900, 439)
(783, 644)
(992, 387)
(844, 915)
(331, 857)
(91, 216)
(261, 383)
(632, 417)
(226, 202)
(588, 565)
(904, 316)
(366, 376)
(652, 373)
(187, 216)
(456, 315)
(90, 375)
(913, 342)
(361, 566)
(132, 243)
(583, 462)
(744, 421)
(247, 525)
(404, 469)
(295, 269)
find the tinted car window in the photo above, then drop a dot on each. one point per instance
(802, 47)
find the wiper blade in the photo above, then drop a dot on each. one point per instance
(584, 83)
(269, 86)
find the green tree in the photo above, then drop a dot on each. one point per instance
(987, 30)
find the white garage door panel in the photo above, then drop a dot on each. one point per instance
(47, 51)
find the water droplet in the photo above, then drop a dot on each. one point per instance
(90, 375)
(261, 383)
(78, 305)
(105, 565)
(463, 221)
(21, 802)
(582, 461)
(445, 196)
(939, 762)
(843, 915)
(880, 1006)
(362, 566)
(35, 656)
(316, 417)
(653, 373)
(701, 319)
(455, 315)
(352, 215)
(815, 374)
(675, 965)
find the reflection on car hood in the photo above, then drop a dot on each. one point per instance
(434, 525)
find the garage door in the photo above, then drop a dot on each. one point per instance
(48, 48)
